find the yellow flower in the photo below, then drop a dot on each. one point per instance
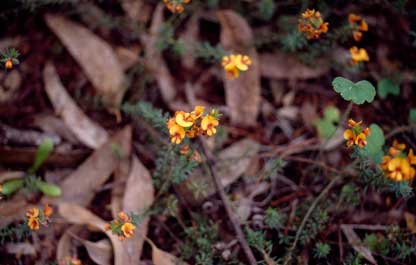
(32, 213)
(177, 133)
(349, 135)
(235, 63)
(312, 24)
(396, 148)
(124, 217)
(170, 123)
(197, 112)
(208, 125)
(400, 169)
(358, 25)
(411, 157)
(8, 64)
(33, 223)
(360, 140)
(128, 229)
(184, 119)
(385, 162)
(193, 132)
(47, 211)
(358, 55)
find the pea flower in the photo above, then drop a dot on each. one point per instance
(123, 226)
(358, 26)
(235, 63)
(396, 165)
(8, 64)
(312, 24)
(191, 124)
(176, 6)
(358, 55)
(70, 261)
(35, 217)
(356, 135)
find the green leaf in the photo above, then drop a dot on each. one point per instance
(332, 114)
(386, 86)
(375, 142)
(48, 188)
(326, 129)
(358, 93)
(43, 152)
(10, 186)
(412, 115)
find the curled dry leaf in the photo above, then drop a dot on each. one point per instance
(100, 252)
(64, 248)
(282, 66)
(190, 38)
(356, 243)
(76, 214)
(95, 56)
(232, 163)
(81, 185)
(154, 59)
(160, 257)
(87, 131)
(243, 93)
(19, 249)
(136, 10)
(138, 197)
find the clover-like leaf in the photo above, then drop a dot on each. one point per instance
(412, 115)
(358, 93)
(42, 153)
(387, 86)
(375, 142)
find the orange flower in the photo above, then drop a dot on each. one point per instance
(197, 113)
(356, 135)
(396, 148)
(124, 217)
(312, 24)
(128, 229)
(107, 227)
(357, 35)
(358, 25)
(352, 123)
(32, 213)
(176, 6)
(70, 261)
(350, 137)
(8, 64)
(353, 18)
(400, 169)
(360, 140)
(411, 157)
(33, 223)
(47, 211)
(208, 125)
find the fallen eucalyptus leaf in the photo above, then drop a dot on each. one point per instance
(356, 243)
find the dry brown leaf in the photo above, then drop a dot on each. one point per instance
(64, 248)
(190, 38)
(232, 163)
(154, 59)
(12, 210)
(282, 66)
(87, 131)
(356, 243)
(100, 252)
(243, 93)
(78, 215)
(410, 221)
(7, 175)
(127, 56)
(81, 185)
(51, 124)
(160, 257)
(19, 249)
(137, 10)
(95, 56)
(138, 197)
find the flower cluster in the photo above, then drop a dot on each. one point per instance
(123, 227)
(9, 58)
(396, 165)
(35, 217)
(358, 26)
(235, 63)
(176, 6)
(358, 55)
(312, 24)
(192, 124)
(356, 135)
(192, 155)
(70, 261)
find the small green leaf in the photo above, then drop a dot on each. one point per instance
(412, 115)
(10, 186)
(375, 142)
(326, 129)
(332, 114)
(386, 86)
(43, 152)
(358, 93)
(48, 188)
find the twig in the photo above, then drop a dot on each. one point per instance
(305, 219)
(220, 189)
(401, 129)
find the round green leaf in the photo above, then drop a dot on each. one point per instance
(386, 86)
(332, 114)
(326, 129)
(375, 142)
(356, 92)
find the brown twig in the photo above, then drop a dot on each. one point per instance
(220, 189)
